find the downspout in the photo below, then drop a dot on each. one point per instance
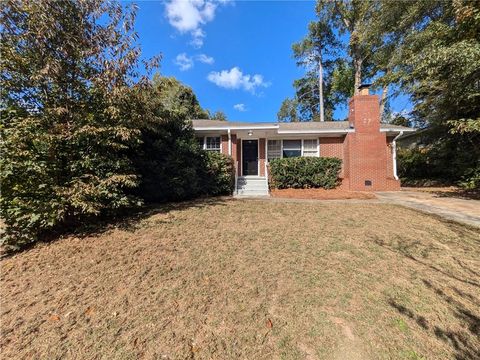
(229, 143)
(394, 154)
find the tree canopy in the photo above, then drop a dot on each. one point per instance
(78, 109)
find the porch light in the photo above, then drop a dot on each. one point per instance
(250, 132)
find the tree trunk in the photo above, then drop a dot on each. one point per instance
(320, 89)
(357, 65)
(383, 100)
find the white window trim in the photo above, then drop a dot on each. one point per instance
(282, 148)
(266, 148)
(318, 147)
(205, 143)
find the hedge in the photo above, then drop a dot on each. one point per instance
(218, 174)
(305, 172)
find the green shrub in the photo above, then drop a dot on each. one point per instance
(305, 172)
(172, 167)
(471, 179)
(168, 162)
(218, 174)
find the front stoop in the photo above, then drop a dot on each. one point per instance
(252, 186)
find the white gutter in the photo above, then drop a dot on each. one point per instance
(229, 143)
(394, 154)
(395, 130)
(329, 131)
(236, 128)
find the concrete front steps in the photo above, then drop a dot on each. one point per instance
(252, 186)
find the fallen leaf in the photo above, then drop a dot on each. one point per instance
(269, 323)
(89, 311)
(54, 317)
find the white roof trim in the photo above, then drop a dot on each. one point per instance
(237, 128)
(397, 130)
(316, 131)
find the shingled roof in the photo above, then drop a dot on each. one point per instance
(288, 126)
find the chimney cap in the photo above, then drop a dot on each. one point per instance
(364, 86)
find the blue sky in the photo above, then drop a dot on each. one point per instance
(236, 55)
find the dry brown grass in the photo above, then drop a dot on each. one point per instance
(239, 279)
(322, 194)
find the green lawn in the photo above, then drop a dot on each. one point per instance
(240, 279)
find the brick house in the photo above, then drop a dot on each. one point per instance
(367, 147)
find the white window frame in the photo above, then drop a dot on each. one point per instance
(318, 148)
(302, 147)
(205, 143)
(266, 146)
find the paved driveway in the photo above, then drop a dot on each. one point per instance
(463, 210)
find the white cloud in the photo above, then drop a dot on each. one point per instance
(205, 59)
(188, 16)
(183, 61)
(235, 79)
(186, 62)
(240, 107)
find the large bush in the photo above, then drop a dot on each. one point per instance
(305, 172)
(441, 158)
(218, 174)
(66, 119)
(172, 167)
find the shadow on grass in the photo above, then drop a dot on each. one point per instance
(406, 250)
(456, 281)
(458, 194)
(465, 342)
(132, 220)
(129, 220)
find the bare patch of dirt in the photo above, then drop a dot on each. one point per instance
(250, 280)
(321, 194)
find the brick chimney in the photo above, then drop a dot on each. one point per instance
(368, 165)
(364, 111)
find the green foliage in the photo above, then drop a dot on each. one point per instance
(432, 49)
(218, 115)
(305, 172)
(170, 164)
(179, 100)
(288, 111)
(323, 51)
(217, 174)
(471, 179)
(83, 133)
(439, 159)
(64, 120)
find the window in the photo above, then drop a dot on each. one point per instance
(310, 148)
(200, 141)
(274, 149)
(213, 143)
(292, 148)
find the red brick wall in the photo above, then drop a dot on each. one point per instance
(224, 147)
(346, 159)
(261, 150)
(333, 147)
(367, 149)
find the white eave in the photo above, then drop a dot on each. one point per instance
(317, 131)
(397, 130)
(217, 128)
